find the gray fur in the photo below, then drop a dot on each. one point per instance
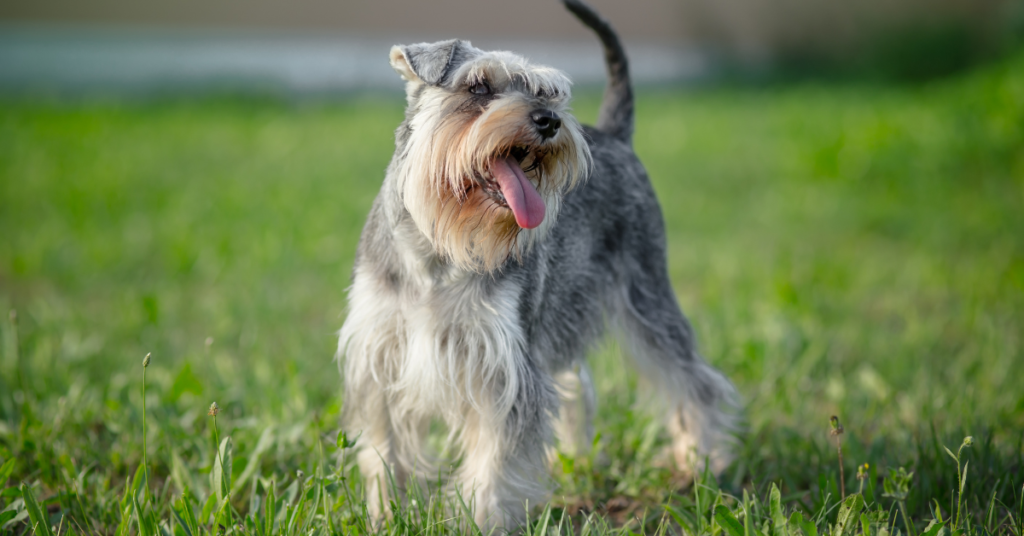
(434, 62)
(428, 338)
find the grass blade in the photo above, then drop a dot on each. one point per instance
(727, 521)
(40, 523)
(951, 455)
(221, 473)
(207, 510)
(542, 525)
(262, 446)
(807, 526)
(269, 511)
(176, 511)
(775, 507)
(5, 472)
(140, 519)
(848, 514)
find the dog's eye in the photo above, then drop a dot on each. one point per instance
(480, 88)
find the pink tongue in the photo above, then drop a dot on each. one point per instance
(523, 198)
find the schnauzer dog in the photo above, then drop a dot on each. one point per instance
(505, 239)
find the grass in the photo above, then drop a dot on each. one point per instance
(841, 250)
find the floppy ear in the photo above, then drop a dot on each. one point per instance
(428, 62)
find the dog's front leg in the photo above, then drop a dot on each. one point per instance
(373, 348)
(504, 469)
(377, 458)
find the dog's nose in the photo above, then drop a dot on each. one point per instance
(547, 122)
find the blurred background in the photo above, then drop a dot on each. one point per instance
(317, 46)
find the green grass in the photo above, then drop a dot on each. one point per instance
(841, 250)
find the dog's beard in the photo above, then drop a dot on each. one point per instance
(458, 197)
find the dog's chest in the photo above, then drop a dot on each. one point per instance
(444, 297)
(462, 339)
(457, 308)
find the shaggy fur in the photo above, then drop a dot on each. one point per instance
(459, 314)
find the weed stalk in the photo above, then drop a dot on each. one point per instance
(837, 432)
(961, 477)
(213, 411)
(145, 461)
(897, 486)
(862, 475)
(1020, 513)
(20, 367)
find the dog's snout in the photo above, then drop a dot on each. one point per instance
(547, 122)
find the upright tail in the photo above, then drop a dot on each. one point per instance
(616, 115)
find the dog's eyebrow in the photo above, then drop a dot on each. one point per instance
(472, 76)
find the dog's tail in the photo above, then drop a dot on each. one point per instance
(616, 115)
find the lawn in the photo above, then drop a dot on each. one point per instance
(849, 250)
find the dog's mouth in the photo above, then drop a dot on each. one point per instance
(505, 182)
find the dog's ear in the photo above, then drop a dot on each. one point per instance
(429, 62)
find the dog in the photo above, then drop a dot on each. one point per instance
(506, 239)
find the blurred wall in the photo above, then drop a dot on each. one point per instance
(751, 28)
(650, 20)
(683, 37)
(761, 29)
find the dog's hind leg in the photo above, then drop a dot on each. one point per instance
(702, 402)
(574, 428)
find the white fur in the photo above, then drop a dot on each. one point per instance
(442, 350)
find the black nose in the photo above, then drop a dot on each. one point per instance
(547, 122)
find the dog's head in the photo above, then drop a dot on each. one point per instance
(487, 150)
